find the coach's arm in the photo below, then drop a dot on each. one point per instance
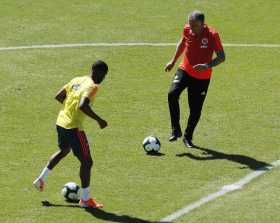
(221, 57)
(178, 52)
(85, 108)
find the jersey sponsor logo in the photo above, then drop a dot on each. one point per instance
(204, 43)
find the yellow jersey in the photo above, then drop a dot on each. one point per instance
(70, 115)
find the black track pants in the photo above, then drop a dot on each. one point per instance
(197, 90)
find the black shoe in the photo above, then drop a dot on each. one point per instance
(175, 135)
(188, 143)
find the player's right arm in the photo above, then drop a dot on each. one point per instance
(179, 50)
(61, 95)
(85, 108)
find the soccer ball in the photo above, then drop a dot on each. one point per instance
(71, 192)
(151, 144)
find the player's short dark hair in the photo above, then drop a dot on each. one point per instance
(100, 65)
(197, 16)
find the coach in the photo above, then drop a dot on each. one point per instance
(198, 42)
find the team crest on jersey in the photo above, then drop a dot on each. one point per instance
(76, 87)
(204, 43)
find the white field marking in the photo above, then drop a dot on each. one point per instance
(78, 45)
(252, 45)
(224, 190)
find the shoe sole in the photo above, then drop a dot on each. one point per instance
(94, 207)
(188, 145)
(38, 187)
(175, 138)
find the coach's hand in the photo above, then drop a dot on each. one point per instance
(200, 67)
(169, 66)
(102, 123)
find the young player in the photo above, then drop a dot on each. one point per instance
(76, 97)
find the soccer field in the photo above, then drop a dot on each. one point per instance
(239, 129)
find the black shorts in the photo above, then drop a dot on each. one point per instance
(74, 139)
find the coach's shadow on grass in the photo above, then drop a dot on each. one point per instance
(101, 214)
(210, 154)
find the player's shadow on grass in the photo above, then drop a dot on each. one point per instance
(101, 214)
(210, 154)
(107, 216)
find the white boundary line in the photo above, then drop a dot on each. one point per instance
(224, 190)
(252, 45)
(78, 45)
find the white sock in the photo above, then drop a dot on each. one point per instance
(44, 173)
(85, 194)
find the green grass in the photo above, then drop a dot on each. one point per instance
(37, 22)
(240, 116)
(255, 203)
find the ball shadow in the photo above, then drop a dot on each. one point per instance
(152, 153)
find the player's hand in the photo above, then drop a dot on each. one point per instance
(102, 123)
(200, 67)
(169, 66)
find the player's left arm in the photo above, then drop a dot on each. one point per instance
(85, 108)
(61, 95)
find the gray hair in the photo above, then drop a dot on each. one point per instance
(197, 16)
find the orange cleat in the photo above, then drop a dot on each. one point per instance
(90, 203)
(39, 184)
